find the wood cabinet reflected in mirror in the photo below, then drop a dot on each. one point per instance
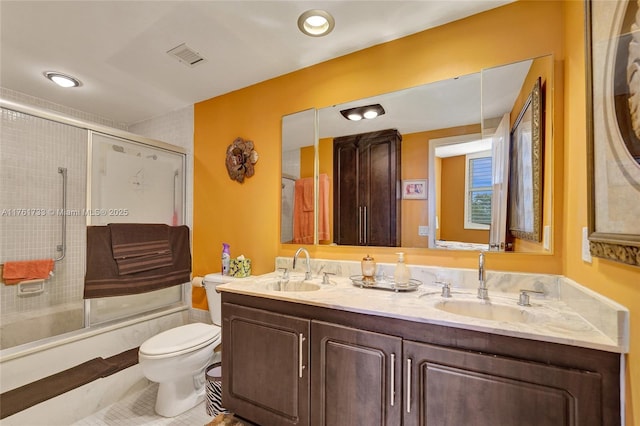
(470, 107)
(366, 176)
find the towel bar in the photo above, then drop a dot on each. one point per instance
(63, 246)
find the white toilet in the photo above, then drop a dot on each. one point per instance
(177, 358)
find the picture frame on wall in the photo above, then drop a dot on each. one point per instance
(414, 189)
(525, 171)
(613, 95)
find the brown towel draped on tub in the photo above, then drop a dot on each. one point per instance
(140, 247)
(103, 277)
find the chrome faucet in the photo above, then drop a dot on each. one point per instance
(483, 293)
(307, 274)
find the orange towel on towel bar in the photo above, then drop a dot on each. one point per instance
(303, 210)
(14, 272)
(308, 199)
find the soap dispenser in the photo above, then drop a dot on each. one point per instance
(401, 275)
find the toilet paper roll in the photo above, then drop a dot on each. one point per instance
(197, 281)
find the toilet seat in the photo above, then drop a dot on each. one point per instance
(180, 340)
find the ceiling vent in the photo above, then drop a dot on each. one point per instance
(187, 55)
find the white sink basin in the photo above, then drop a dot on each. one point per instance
(290, 285)
(487, 311)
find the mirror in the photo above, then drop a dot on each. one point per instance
(471, 114)
(297, 218)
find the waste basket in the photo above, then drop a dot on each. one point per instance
(214, 390)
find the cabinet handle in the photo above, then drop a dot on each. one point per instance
(360, 225)
(408, 385)
(392, 391)
(366, 225)
(301, 365)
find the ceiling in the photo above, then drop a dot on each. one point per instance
(118, 49)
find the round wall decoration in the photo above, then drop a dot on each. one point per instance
(240, 159)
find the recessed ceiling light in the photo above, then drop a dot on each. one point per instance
(316, 22)
(62, 80)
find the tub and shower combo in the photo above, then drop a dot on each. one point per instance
(58, 176)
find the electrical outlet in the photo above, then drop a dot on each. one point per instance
(423, 231)
(586, 253)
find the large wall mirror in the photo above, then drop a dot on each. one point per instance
(451, 180)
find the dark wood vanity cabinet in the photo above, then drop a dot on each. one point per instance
(292, 364)
(366, 173)
(355, 376)
(266, 378)
(448, 386)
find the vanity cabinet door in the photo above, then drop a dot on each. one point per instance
(264, 366)
(355, 377)
(453, 387)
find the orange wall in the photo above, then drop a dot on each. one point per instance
(614, 280)
(247, 215)
(307, 158)
(415, 165)
(452, 199)
(437, 173)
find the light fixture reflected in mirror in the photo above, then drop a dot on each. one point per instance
(316, 23)
(62, 80)
(369, 112)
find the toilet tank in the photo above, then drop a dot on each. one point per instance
(214, 299)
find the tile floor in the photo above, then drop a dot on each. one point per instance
(137, 410)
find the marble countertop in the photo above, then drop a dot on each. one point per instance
(548, 319)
